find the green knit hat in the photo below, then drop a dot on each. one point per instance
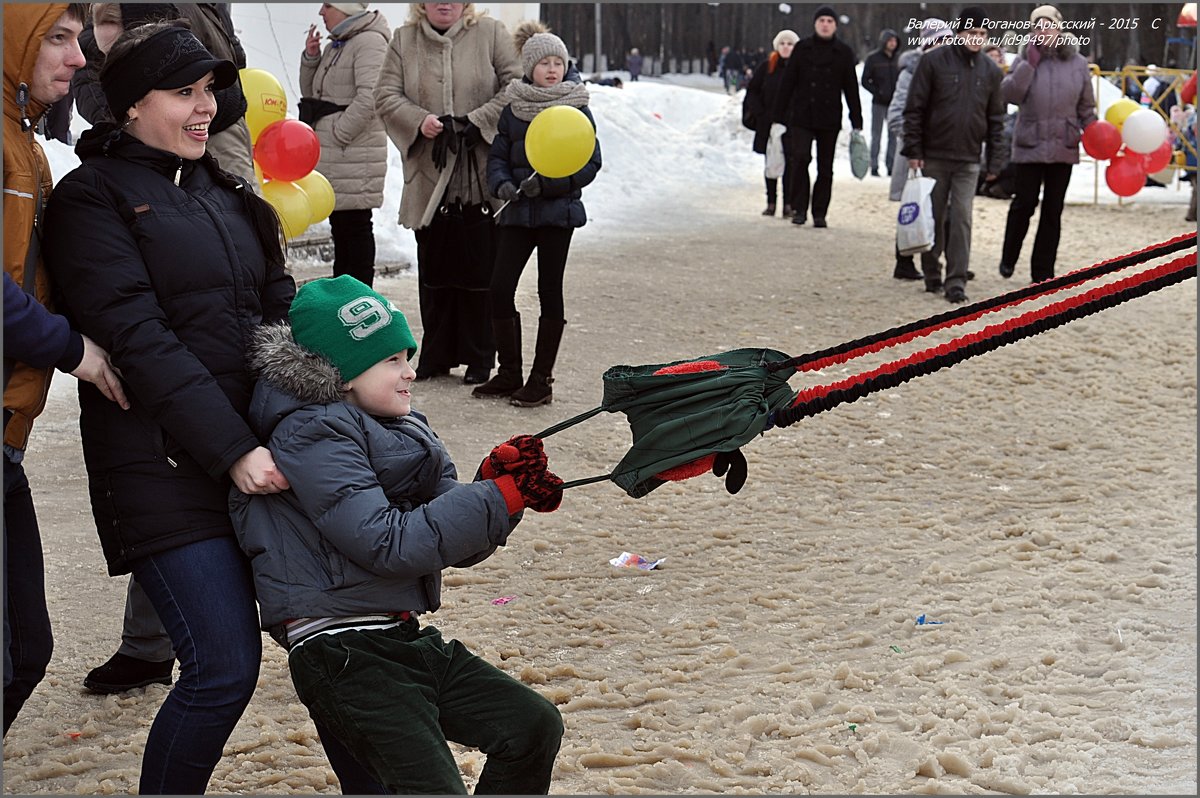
(348, 323)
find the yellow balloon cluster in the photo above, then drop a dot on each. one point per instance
(560, 141)
(301, 202)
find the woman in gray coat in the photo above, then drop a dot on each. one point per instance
(339, 90)
(1050, 83)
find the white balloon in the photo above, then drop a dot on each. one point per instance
(1144, 130)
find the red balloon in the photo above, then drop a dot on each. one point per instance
(287, 149)
(1101, 140)
(1157, 160)
(1125, 175)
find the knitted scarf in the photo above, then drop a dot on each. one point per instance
(529, 100)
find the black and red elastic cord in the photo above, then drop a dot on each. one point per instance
(810, 401)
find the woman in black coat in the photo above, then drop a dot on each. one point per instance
(171, 262)
(756, 114)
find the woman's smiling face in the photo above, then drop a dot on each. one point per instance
(176, 120)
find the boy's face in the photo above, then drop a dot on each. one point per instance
(384, 390)
(549, 71)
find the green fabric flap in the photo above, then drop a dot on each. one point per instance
(678, 418)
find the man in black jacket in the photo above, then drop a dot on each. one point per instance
(954, 106)
(809, 103)
(880, 72)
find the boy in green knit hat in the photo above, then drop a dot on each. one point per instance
(347, 559)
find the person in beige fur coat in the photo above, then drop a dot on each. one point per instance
(353, 144)
(440, 93)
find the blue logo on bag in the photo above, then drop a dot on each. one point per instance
(909, 212)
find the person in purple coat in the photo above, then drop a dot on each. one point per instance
(1050, 82)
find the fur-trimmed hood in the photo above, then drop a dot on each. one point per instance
(289, 377)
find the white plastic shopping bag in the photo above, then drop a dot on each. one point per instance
(915, 227)
(776, 160)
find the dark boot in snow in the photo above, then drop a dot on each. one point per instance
(536, 390)
(508, 348)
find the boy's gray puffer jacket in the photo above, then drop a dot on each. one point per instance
(375, 510)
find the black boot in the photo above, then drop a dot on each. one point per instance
(536, 390)
(508, 347)
(123, 672)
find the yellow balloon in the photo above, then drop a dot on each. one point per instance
(1118, 111)
(320, 195)
(560, 141)
(265, 100)
(291, 204)
(258, 173)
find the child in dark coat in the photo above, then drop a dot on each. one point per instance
(542, 214)
(347, 559)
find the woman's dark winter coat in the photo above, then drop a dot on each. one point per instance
(375, 512)
(159, 263)
(760, 99)
(819, 73)
(560, 204)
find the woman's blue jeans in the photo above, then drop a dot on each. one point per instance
(204, 594)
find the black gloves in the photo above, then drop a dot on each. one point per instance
(467, 131)
(507, 191)
(457, 132)
(735, 463)
(531, 186)
(444, 142)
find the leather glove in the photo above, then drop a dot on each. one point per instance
(1033, 54)
(507, 191)
(470, 134)
(446, 141)
(735, 463)
(539, 490)
(518, 453)
(531, 186)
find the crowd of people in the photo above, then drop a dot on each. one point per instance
(211, 388)
(941, 107)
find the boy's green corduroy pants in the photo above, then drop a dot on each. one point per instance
(394, 697)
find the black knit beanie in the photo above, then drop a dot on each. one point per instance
(824, 11)
(972, 17)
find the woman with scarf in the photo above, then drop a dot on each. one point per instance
(543, 214)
